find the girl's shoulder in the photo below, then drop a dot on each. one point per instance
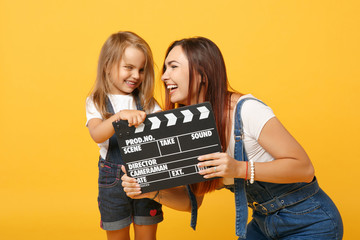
(89, 102)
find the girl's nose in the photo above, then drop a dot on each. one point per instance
(136, 75)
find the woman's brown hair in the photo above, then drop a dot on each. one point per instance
(206, 60)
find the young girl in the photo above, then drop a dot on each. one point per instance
(123, 91)
(265, 167)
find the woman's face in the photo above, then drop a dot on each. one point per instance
(176, 77)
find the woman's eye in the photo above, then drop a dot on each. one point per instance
(128, 67)
(173, 66)
(142, 70)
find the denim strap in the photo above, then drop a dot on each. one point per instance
(194, 207)
(239, 183)
(138, 103)
(113, 153)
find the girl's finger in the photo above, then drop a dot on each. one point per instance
(140, 119)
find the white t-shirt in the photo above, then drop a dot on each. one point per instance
(119, 102)
(254, 116)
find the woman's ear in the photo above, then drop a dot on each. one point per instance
(204, 79)
(199, 78)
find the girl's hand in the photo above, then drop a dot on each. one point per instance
(134, 117)
(221, 165)
(132, 188)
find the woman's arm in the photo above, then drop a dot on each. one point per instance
(175, 198)
(291, 163)
(101, 130)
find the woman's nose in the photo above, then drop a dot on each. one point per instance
(164, 77)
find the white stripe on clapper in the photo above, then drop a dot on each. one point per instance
(140, 128)
(155, 123)
(171, 119)
(187, 116)
(204, 112)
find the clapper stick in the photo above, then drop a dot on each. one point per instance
(162, 152)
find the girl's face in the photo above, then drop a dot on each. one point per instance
(176, 77)
(126, 76)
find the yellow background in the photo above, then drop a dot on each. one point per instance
(300, 57)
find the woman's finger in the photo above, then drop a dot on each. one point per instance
(210, 163)
(210, 170)
(123, 169)
(134, 195)
(209, 156)
(128, 181)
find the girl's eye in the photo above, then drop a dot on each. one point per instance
(128, 67)
(142, 70)
(173, 66)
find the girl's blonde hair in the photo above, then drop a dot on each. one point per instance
(110, 55)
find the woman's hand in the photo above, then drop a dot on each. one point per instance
(221, 165)
(132, 187)
(176, 198)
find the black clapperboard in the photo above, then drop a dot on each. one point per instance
(162, 152)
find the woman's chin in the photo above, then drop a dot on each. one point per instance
(175, 99)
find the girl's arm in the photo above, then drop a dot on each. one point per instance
(101, 130)
(175, 198)
(291, 163)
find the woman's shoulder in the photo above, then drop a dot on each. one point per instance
(250, 100)
(245, 99)
(248, 96)
(254, 114)
(253, 109)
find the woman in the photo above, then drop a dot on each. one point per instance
(274, 175)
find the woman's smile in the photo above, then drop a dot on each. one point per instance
(172, 88)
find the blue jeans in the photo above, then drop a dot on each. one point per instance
(118, 210)
(315, 218)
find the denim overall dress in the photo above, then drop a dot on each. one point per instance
(280, 211)
(116, 209)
